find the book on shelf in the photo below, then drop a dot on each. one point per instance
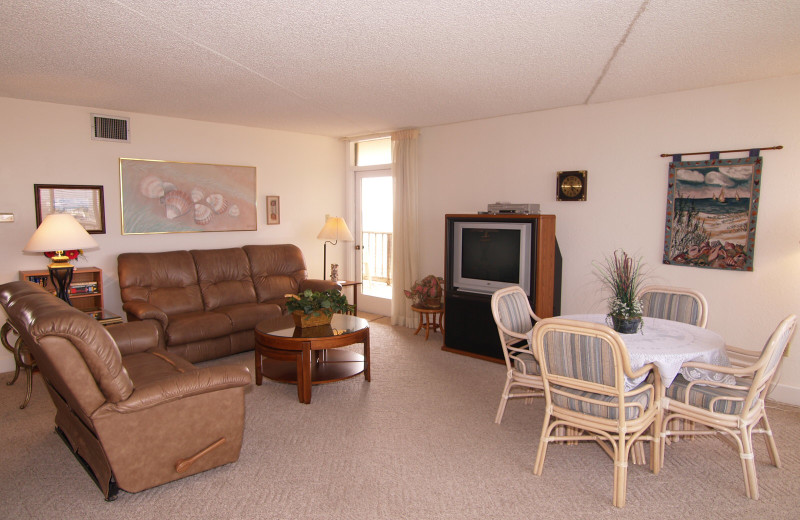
(83, 290)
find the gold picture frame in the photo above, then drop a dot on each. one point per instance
(179, 197)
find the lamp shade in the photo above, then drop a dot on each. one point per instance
(336, 229)
(59, 232)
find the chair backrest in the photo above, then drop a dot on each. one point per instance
(674, 303)
(770, 357)
(512, 314)
(72, 350)
(577, 358)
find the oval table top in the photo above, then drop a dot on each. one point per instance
(668, 345)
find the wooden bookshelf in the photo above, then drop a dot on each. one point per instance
(80, 276)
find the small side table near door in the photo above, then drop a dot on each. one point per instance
(429, 319)
(355, 286)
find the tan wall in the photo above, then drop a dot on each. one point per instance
(48, 143)
(515, 158)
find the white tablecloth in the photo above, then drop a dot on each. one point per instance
(668, 345)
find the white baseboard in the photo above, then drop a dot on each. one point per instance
(786, 394)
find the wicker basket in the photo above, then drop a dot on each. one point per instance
(315, 319)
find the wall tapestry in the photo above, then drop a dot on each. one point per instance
(711, 213)
(175, 197)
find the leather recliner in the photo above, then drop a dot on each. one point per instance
(136, 415)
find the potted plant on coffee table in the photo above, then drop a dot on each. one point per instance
(623, 277)
(313, 308)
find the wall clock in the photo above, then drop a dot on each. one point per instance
(571, 185)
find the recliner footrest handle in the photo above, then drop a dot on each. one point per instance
(183, 465)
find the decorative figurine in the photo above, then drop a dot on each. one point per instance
(334, 272)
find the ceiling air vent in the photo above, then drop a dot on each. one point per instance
(108, 128)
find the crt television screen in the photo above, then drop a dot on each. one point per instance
(490, 254)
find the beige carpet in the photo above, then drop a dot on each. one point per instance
(418, 442)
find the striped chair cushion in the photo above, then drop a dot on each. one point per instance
(674, 307)
(526, 364)
(702, 395)
(579, 357)
(608, 412)
(513, 311)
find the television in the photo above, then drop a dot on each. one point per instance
(488, 256)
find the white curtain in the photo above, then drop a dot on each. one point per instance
(405, 258)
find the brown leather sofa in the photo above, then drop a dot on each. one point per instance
(134, 414)
(209, 301)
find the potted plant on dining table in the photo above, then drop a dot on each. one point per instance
(623, 276)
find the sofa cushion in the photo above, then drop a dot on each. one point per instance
(276, 270)
(196, 326)
(224, 277)
(167, 280)
(245, 316)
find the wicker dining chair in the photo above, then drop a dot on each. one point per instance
(513, 314)
(584, 366)
(735, 411)
(674, 303)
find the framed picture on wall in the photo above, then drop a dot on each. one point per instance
(178, 197)
(85, 203)
(273, 209)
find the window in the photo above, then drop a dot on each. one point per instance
(373, 151)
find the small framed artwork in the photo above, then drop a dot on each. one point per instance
(273, 209)
(85, 203)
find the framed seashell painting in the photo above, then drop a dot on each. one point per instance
(178, 197)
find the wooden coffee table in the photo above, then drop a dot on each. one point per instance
(306, 356)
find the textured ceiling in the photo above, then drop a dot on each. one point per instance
(353, 67)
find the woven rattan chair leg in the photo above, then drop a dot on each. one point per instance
(749, 464)
(503, 401)
(772, 448)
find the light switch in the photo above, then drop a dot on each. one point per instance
(6, 217)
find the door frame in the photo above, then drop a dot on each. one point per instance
(382, 306)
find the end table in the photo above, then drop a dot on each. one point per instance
(429, 319)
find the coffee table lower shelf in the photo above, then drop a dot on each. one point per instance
(331, 366)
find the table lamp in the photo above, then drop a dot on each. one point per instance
(335, 229)
(60, 232)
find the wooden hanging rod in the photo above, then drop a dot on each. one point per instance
(779, 147)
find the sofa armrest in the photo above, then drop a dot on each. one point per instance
(318, 285)
(137, 336)
(145, 311)
(181, 385)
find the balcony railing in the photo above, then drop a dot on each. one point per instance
(376, 257)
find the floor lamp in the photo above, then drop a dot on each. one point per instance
(335, 229)
(57, 233)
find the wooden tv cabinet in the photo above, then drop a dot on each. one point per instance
(470, 327)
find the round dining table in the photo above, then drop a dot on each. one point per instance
(668, 345)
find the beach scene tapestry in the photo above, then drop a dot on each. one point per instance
(175, 197)
(711, 213)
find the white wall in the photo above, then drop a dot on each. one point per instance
(45, 143)
(463, 167)
(515, 158)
